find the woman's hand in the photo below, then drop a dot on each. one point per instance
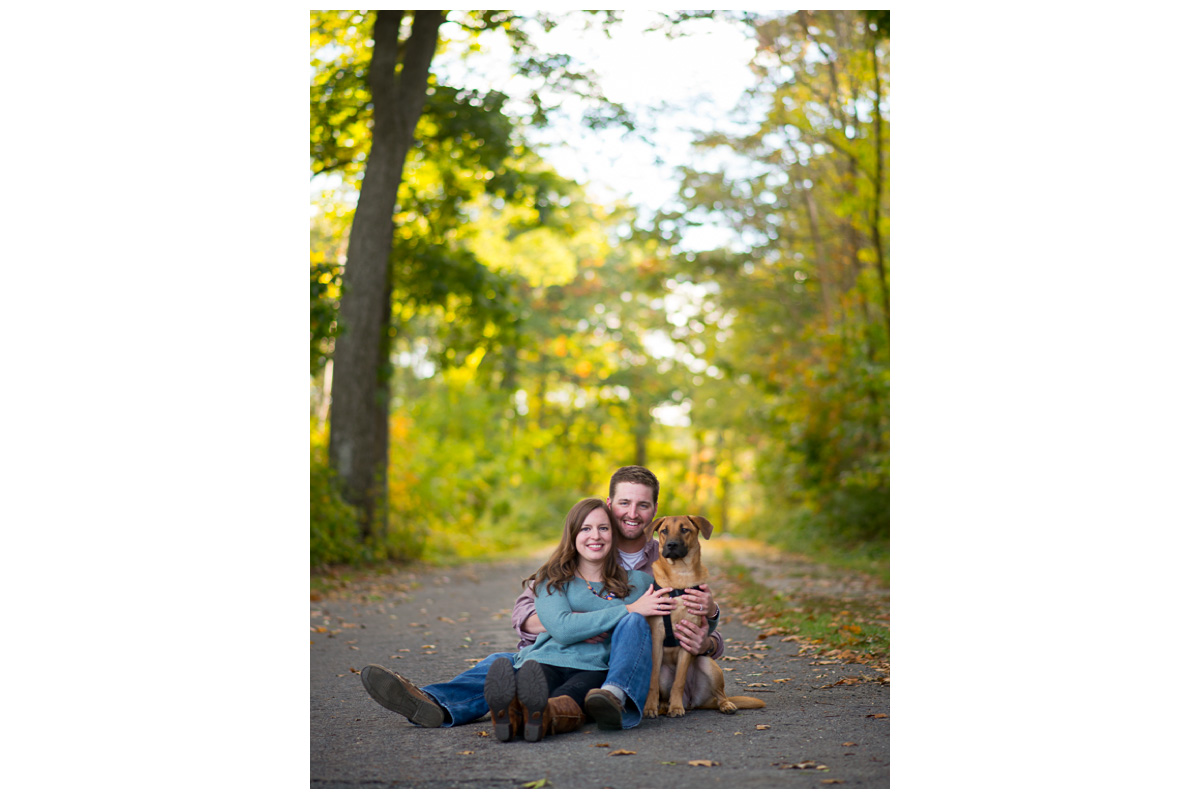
(653, 603)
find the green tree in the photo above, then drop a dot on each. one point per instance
(809, 288)
(365, 119)
(359, 412)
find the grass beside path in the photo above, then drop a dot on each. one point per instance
(840, 613)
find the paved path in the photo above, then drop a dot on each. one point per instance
(428, 624)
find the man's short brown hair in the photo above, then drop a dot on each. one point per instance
(634, 475)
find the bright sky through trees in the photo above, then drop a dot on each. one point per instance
(695, 80)
(673, 85)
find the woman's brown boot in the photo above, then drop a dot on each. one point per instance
(533, 694)
(500, 694)
(562, 715)
(516, 716)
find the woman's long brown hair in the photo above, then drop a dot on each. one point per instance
(560, 568)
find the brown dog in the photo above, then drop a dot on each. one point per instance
(679, 567)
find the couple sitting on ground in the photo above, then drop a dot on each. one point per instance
(584, 640)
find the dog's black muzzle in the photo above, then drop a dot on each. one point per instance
(675, 548)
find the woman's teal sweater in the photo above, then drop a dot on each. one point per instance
(576, 614)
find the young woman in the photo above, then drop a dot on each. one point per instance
(581, 591)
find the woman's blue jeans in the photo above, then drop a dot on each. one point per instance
(628, 669)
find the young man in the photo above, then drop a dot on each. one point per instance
(633, 497)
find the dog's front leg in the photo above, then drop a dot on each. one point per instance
(657, 634)
(682, 663)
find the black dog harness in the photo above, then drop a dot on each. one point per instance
(669, 640)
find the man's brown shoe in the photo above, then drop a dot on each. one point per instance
(602, 706)
(395, 693)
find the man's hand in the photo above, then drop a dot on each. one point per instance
(691, 637)
(700, 601)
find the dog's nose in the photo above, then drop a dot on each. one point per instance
(675, 549)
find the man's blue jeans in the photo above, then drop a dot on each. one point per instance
(629, 666)
(628, 669)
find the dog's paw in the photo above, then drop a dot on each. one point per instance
(727, 708)
(651, 712)
(675, 711)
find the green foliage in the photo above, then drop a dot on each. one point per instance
(809, 347)
(334, 533)
(333, 523)
(339, 110)
(481, 479)
(881, 21)
(323, 284)
(522, 373)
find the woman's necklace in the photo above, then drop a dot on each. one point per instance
(605, 596)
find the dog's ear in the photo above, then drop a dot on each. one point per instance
(706, 527)
(656, 524)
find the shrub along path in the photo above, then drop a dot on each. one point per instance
(826, 723)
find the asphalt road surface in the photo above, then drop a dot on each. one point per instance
(825, 724)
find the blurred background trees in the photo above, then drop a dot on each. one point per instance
(532, 340)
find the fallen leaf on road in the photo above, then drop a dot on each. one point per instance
(761, 727)
(876, 716)
(319, 629)
(804, 765)
(704, 763)
(483, 733)
(831, 780)
(849, 744)
(466, 752)
(842, 682)
(447, 619)
(623, 753)
(544, 783)
(758, 684)
(356, 672)
(600, 744)
(781, 680)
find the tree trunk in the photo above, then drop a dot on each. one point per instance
(642, 422)
(724, 455)
(876, 233)
(358, 435)
(819, 255)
